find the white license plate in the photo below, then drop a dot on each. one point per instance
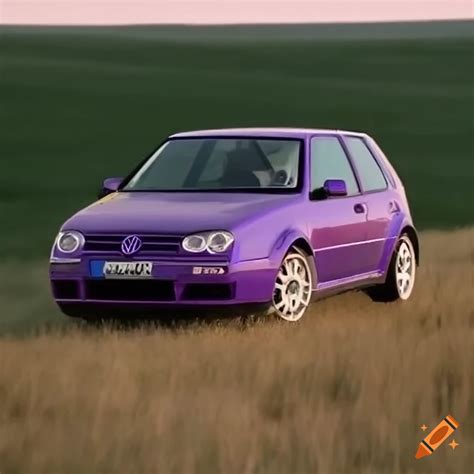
(128, 269)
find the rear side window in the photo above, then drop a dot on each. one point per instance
(371, 176)
(329, 161)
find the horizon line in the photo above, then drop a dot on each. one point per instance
(224, 24)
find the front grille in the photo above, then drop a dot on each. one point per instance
(208, 291)
(66, 289)
(152, 244)
(130, 290)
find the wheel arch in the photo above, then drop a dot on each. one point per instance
(304, 246)
(295, 239)
(413, 236)
(399, 225)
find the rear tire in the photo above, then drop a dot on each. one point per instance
(401, 274)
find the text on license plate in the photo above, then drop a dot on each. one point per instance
(127, 269)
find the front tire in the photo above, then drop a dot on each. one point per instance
(293, 287)
(401, 274)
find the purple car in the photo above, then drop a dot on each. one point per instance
(221, 218)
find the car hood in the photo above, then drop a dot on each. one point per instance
(176, 213)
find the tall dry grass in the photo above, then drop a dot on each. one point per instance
(344, 391)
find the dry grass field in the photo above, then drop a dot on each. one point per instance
(344, 391)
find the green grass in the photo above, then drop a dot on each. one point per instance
(77, 106)
(27, 306)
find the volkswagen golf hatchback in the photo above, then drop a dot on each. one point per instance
(221, 218)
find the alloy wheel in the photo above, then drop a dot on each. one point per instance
(293, 287)
(405, 269)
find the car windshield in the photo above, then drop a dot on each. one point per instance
(213, 164)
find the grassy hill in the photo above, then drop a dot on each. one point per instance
(81, 104)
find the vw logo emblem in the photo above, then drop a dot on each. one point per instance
(131, 244)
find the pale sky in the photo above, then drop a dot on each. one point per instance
(228, 11)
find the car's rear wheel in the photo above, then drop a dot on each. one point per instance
(293, 286)
(401, 274)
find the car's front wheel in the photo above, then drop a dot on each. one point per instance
(293, 286)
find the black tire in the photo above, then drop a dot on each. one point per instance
(391, 290)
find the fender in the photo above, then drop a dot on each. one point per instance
(285, 241)
(399, 222)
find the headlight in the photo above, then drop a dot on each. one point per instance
(219, 242)
(194, 243)
(214, 242)
(70, 241)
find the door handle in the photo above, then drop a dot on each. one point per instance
(360, 208)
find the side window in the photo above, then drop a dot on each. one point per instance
(371, 176)
(329, 161)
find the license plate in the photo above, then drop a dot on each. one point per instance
(127, 269)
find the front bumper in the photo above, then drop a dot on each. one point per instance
(174, 284)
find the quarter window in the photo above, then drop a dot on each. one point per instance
(329, 161)
(371, 176)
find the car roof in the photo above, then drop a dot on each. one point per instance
(275, 132)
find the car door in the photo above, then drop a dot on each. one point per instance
(337, 224)
(381, 207)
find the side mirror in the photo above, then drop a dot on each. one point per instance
(335, 187)
(330, 188)
(110, 185)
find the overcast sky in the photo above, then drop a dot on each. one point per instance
(227, 11)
